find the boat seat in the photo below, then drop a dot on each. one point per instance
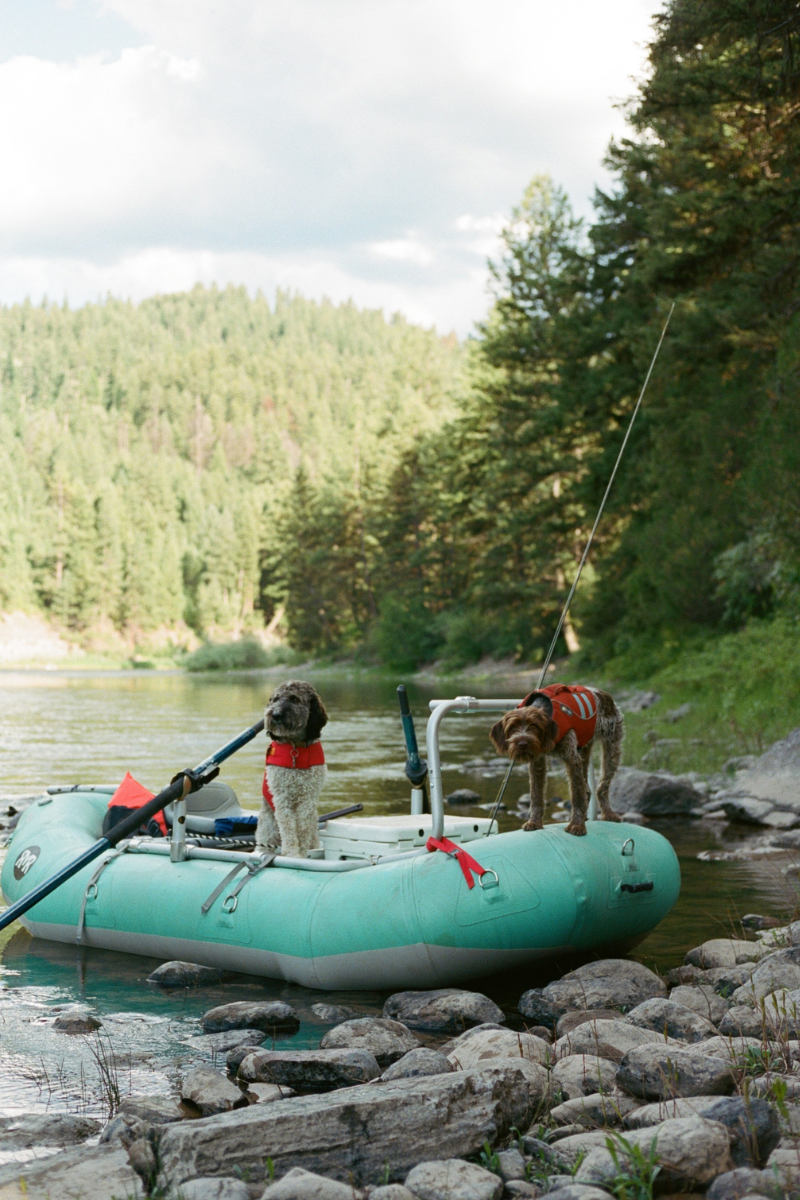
(203, 808)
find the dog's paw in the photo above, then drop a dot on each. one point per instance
(533, 824)
(610, 816)
(576, 828)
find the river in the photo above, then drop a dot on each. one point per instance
(80, 727)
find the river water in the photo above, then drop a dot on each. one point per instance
(79, 727)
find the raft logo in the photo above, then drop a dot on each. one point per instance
(25, 861)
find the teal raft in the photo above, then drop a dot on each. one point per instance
(378, 911)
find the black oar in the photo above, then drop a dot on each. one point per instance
(416, 767)
(183, 783)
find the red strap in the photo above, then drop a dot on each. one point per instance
(266, 793)
(465, 861)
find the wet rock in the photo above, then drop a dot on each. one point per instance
(387, 1040)
(657, 1072)
(310, 1070)
(453, 1179)
(653, 794)
(184, 975)
(701, 999)
(571, 1020)
(692, 1151)
(463, 796)
(299, 1184)
(606, 1039)
(74, 1019)
(235, 1058)
(594, 1111)
(210, 1092)
(781, 969)
(743, 1182)
(92, 1173)
(48, 1129)
(417, 1063)
(269, 1015)
(610, 983)
(223, 1043)
(672, 1020)
(155, 1110)
(511, 1165)
(334, 1013)
(724, 952)
(756, 921)
(498, 1043)
(753, 1124)
(212, 1188)
(448, 1010)
(403, 1123)
(582, 1075)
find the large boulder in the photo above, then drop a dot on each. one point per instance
(606, 1039)
(609, 983)
(691, 1151)
(446, 1010)
(491, 1044)
(44, 1129)
(583, 1075)
(310, 1070)
(453, 1179)
(658, 1072)
(91, 1173)
(672, 1020)
(387, 1040)
(653, 794)
(269, 1015)
(775, 775)
(352, 1134)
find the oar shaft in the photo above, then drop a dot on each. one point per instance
(129, 825)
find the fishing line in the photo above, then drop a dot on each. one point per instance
(585, 554)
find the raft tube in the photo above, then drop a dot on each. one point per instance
(409, 922)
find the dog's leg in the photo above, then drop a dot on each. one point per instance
(537, 773)
(578, 787)
(267, 835)
(612, 756)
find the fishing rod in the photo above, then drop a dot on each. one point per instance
(190, 780)
(587, 548)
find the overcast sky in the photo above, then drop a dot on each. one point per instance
(348, 148)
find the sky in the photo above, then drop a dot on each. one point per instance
(364, 149)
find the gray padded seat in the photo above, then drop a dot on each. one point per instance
(216, 799)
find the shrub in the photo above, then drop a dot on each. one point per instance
(244, 655)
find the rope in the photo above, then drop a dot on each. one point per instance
(585, 554)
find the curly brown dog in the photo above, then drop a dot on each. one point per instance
(564, 720)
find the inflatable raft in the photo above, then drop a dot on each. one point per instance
(377, 910)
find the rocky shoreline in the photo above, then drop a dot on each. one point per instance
(614, 1082)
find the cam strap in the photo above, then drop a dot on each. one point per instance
(464, 860)
(250, 868)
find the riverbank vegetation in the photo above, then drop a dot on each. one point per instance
(359, 487)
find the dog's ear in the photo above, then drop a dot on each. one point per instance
(497, 735)
(549, 738)
(317, 718)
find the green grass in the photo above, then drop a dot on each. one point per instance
(244, 655)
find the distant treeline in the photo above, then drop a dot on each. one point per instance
(208, 458)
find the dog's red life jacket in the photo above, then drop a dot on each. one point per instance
(286, 754)
(129, 796)
(573, 707)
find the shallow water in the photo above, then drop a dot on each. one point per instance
(90, 728)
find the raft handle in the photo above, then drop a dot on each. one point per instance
(625, 852)
(231, 903)
(637, 887)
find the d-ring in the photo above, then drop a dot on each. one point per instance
(230, 904)
(625, 852)
(91, 891)
(489, 883)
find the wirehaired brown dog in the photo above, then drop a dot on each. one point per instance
(565, 721)
(295, 770)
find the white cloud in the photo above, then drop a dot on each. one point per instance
(408, 249)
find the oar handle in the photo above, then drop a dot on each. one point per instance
(416, 767)
(182, 784)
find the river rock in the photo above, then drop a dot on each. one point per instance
(498, 1043)
(691, 1150)
(391, 1191)
(511, 1165)
(667, 1110)
(595, 1111)
(609, 983)
(725, 980)
(743, 1182)
(267, 1093)
(155, 1110)
(417, 1063)
(448, 1010)
(672, 1020)
(463, 796)
(657, 1072)
(653, 794)
(702, 999)
(211, 1092)
(577, 1191)
(781, 969)
(269, 1015)
(725, 952)
(453, 1179)
(753, 1124)
(75, 1019)
(45, 1129)
(731, 1049)
(742, 1021)
(184, 975)
(387, 1040)
(223, 1043)
(88, 1172)
(571, 1020)
(774, 775)
(299, 1184)
(335, 1014)
(450, 1046)
(310, 1070)
(606, 1039)
(400, 1123)
(784, 1165)
(216, 1189)
(583, 1074)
